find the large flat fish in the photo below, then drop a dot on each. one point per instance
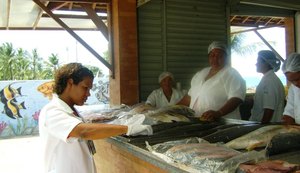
(228, 134)
(175, 133)
(186, 153)
(203, 133)
(260, 137)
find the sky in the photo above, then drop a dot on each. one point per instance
(69, 50)
(60, 43)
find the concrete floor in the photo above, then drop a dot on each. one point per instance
(20, 155)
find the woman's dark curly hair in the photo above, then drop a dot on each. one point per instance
(75, 71)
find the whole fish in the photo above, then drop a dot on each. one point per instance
(46, 89)
(282, 143)
(11, 109)
(260, 137)
(8, 93)
(228, 134)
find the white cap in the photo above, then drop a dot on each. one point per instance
(164, 75)
(217, 45)
(270, 58)
(292, 63)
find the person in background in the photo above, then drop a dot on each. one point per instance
(291, 69)
(269, 96)
(218, 90)
(166, 95)
(66, 138)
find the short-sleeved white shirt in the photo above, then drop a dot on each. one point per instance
(60, 153)
(158, 99)
(213, 93)
(292, 107)
(269, 94)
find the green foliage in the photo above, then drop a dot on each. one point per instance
(18, 64)
(239, 44)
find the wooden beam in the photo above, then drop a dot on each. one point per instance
(70, 31)
(74, 16)
(36, 22)
(255, 29)
(95, 18)
(258, 20)
(8, 13)
(232, 18)
(71, 5)
(269, 21)
(78, 1)
(60, 6)
(245, 20)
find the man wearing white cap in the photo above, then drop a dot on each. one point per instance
(269, 96)
(218, 90)
(166, 95)
(291, 69)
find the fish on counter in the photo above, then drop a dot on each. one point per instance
(186, 153)
(230, 133)
(140, 108)
(282, 143)
(204, 157)
(167, 118)
(275, 166)
(175, 113)
(260, 137)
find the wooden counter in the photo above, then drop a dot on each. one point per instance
(115, 155)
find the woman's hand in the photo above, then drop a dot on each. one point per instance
(211, 115)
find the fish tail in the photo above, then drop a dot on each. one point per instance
(19, 115)
(22, 105)
(19, 90)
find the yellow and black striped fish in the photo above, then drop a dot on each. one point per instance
(11, 108)
(8, 93)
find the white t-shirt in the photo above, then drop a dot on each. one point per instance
(269, 94)
(213, 93)
(60, 153)
(158, 99)
(292, 107)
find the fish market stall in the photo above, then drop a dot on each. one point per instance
(183, 143)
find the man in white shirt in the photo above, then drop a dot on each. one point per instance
(166, 95)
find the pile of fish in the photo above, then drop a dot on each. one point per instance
(175, 113)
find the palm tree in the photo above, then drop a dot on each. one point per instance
(238, 44)
(51, 66)
(21, 65)
(36, 64)
(7, 55)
